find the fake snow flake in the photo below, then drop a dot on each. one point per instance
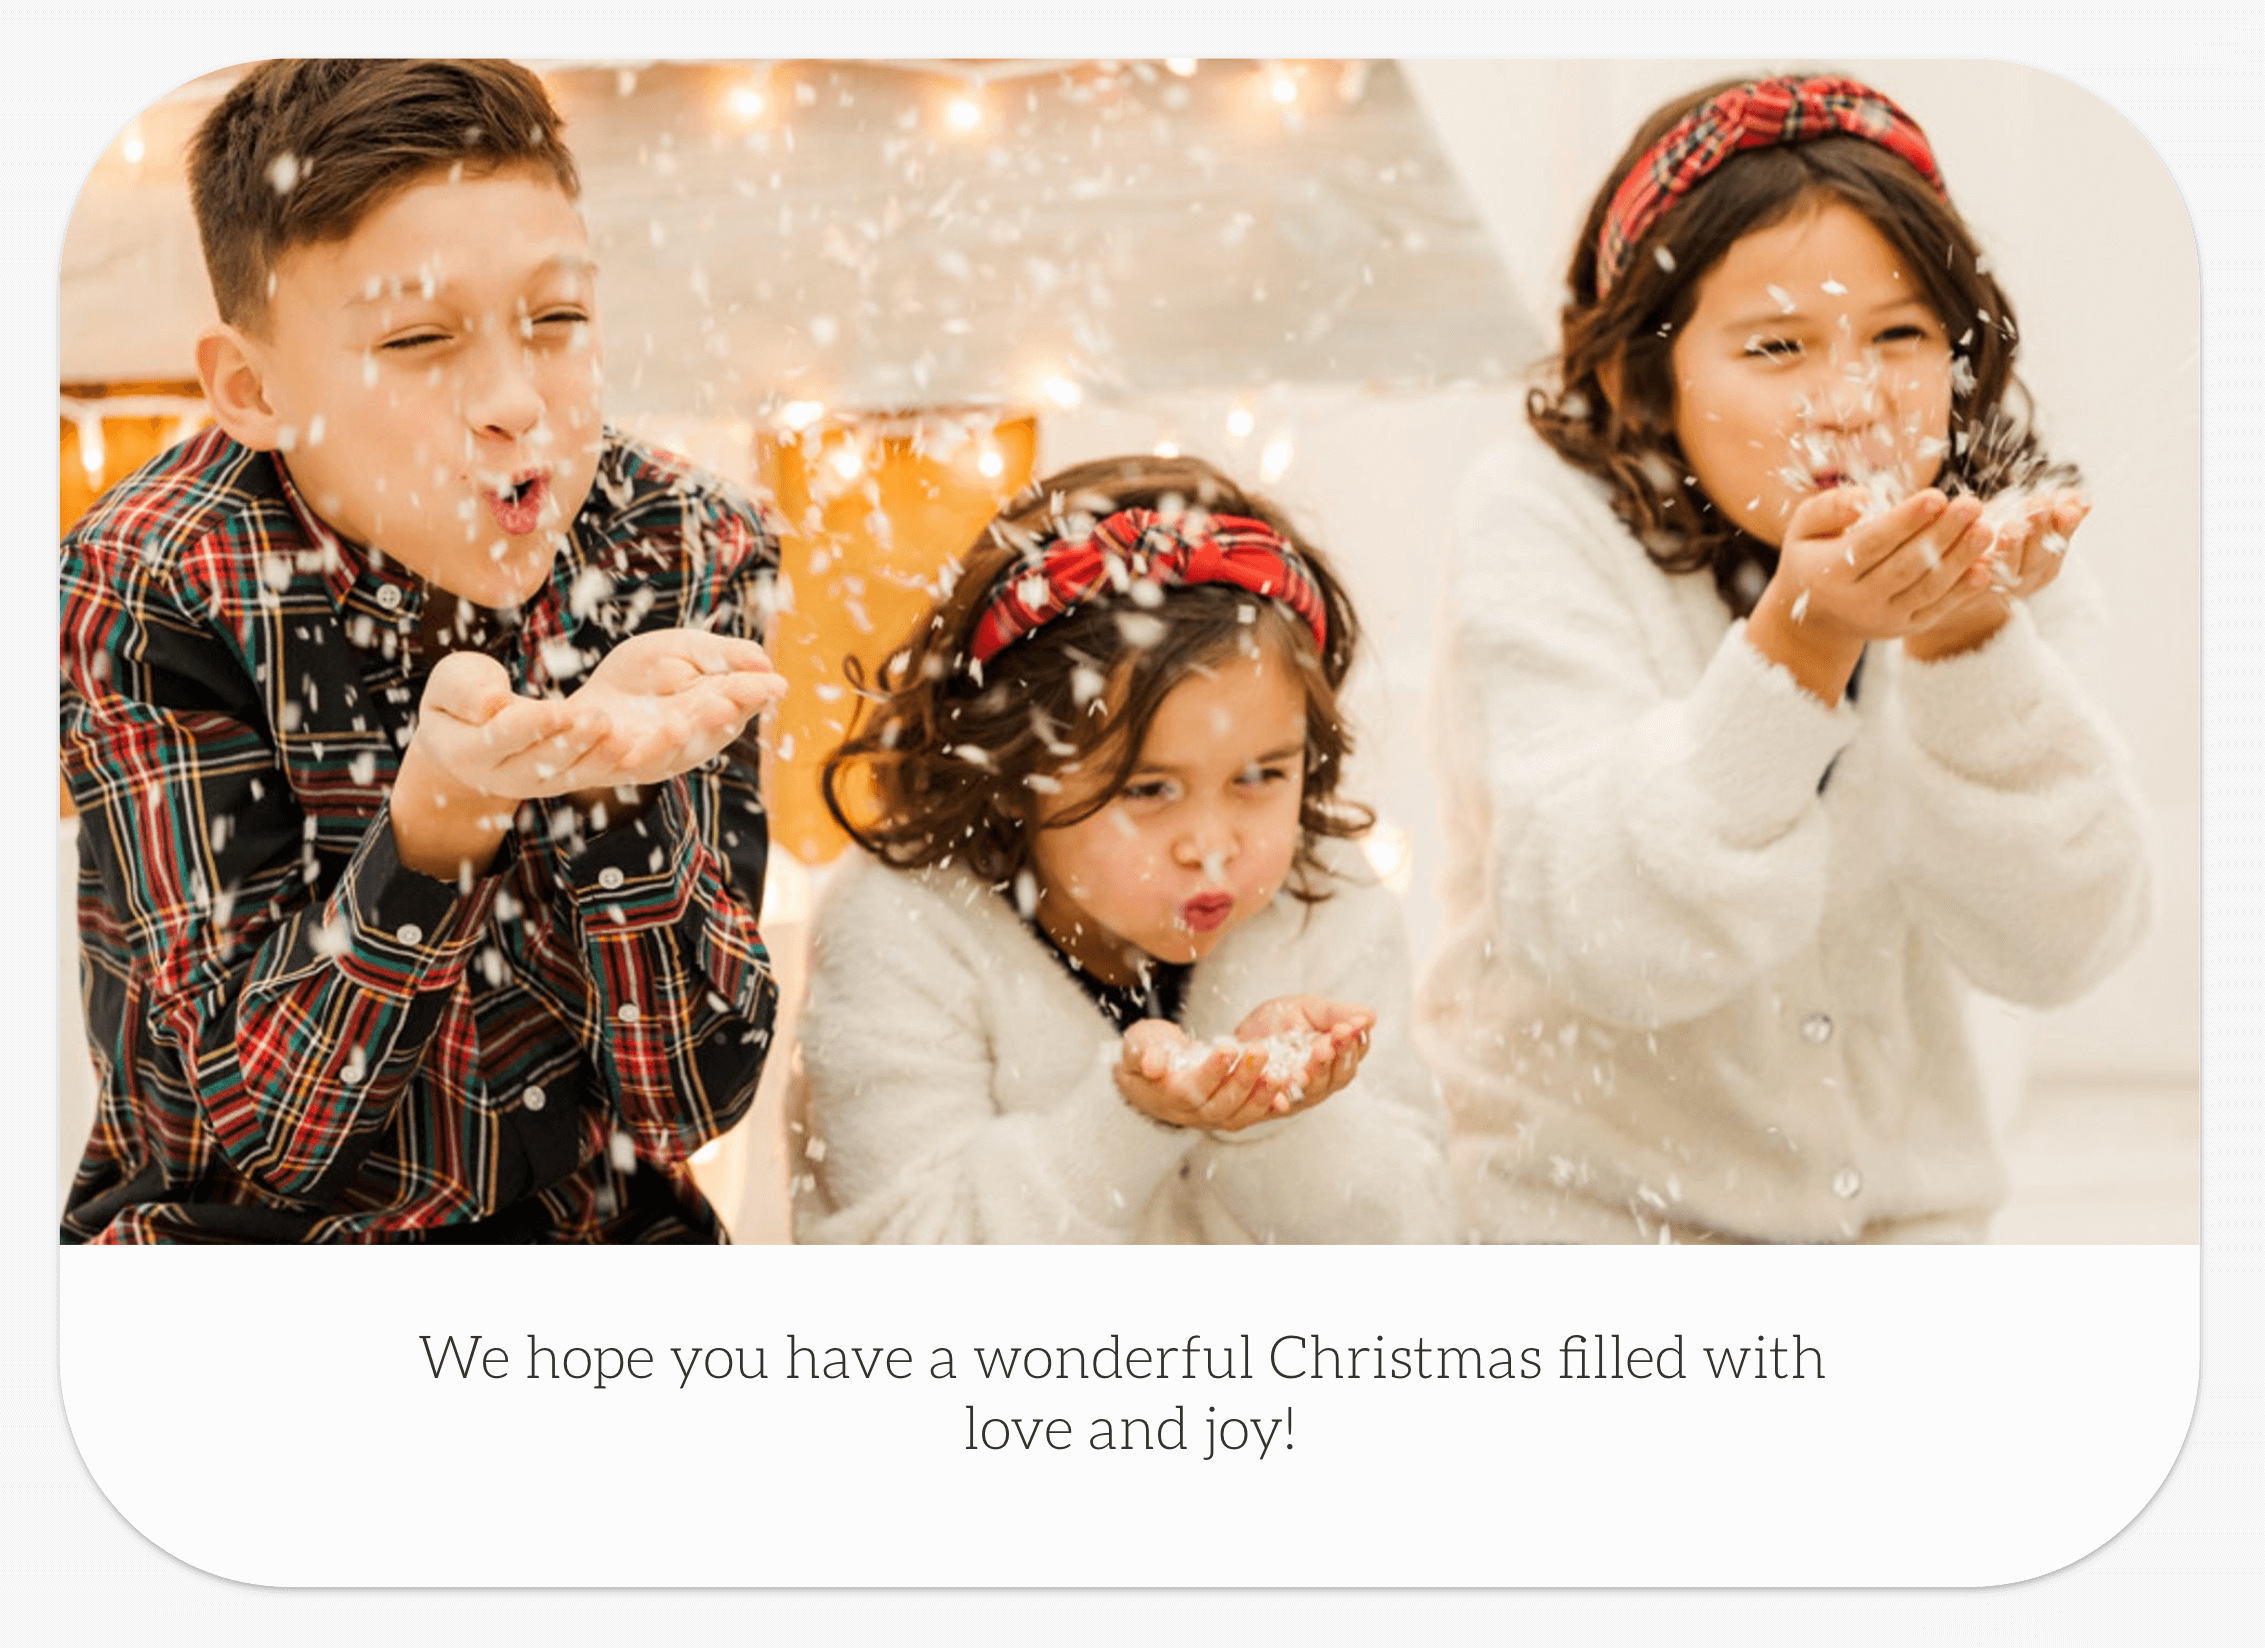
(1287, 1054)
(562, 659)
(283, 173)
(1140, 629)
(1664, 258)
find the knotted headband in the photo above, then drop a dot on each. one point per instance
(1754, 116)
(1140, 546)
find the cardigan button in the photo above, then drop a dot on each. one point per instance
(534, 1098)
(389, 596)
(1816, 1029)
(610, 878)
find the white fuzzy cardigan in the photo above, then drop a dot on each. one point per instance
(954, 1083)
(1684, 994)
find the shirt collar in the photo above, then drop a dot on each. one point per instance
(359, 580)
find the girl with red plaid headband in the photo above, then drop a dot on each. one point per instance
(1759, 731)
(1113, 970)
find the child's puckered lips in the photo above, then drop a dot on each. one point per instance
(518, 506)
(1206, 911)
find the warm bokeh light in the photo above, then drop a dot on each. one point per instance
(1062, 392)
(1276, 459)
(1388, 851)
(1239, 422)
(93, 456)
(964, 113)
(800, 415)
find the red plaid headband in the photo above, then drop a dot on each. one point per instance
(1753, 116)
(1141, 546)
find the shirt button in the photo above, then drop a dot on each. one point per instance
(389, 596)
(629, 1014)
(534, 1098)
(610, 877)
(1816, 1029)
(411, 933)
(1846, 1183)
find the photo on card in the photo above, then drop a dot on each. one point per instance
(1640, 880)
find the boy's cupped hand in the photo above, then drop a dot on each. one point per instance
(672, 699)
(656, 705)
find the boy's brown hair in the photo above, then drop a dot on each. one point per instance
(300, 151)
(958, 759)
(1631, 330)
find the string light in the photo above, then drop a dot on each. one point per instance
(964, 113)
(1239, 422)
(1062, 392)
(746, 102)
(1184, 67)
(800, 415)
(989, 463)
(1167, 449)
(1276, 459)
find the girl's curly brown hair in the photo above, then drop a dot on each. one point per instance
(1628, 440)
(959, 760)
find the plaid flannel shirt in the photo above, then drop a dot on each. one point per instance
(294, 1036)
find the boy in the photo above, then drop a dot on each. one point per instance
(420, 849)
